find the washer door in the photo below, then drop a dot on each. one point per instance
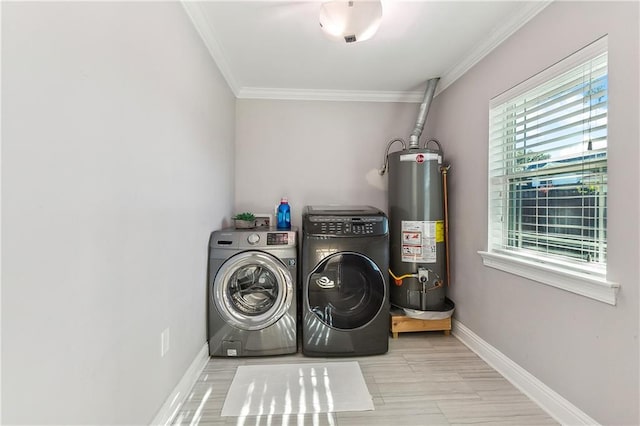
(252, 290)
(346, 290)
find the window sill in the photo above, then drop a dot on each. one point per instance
(575, 282)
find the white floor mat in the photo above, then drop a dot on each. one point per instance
(297, 389)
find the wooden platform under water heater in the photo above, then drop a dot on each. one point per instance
(400, 323)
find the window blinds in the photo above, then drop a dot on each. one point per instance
(548, 162)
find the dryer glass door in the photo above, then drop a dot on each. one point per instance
(252, 290)
(346, 290)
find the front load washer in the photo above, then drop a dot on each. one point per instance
(345, 293)
(252, 292)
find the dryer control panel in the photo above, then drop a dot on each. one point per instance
(346, 226)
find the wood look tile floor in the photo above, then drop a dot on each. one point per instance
(426, 378)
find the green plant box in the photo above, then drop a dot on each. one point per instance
(244, 224)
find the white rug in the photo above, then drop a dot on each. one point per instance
(297, 389)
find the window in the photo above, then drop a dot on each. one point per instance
(548, 173)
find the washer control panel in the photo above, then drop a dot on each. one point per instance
(347, 226)
(278, 238)
(252, 239)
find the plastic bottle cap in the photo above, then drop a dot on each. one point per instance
(283, 200)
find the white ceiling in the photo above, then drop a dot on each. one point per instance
(276, 50)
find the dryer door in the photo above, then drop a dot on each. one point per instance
(252, 290)
(346, 290)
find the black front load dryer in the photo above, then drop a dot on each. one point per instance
(345, 294)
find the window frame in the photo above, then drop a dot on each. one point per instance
(576, 277)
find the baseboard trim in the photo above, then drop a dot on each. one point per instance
(175, 400)
(550, 401)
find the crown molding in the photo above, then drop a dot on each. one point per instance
(499, 35)
(207, 33)
(330, 95)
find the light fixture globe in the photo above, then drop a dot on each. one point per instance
(350, 21)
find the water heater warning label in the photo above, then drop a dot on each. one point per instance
(419, 240)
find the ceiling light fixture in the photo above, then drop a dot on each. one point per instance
(351, 21)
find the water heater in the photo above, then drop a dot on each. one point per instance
(417, 217)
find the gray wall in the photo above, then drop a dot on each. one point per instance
(585, 350)
(117, 162)
(315, 152)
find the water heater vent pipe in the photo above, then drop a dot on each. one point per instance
(422, 114)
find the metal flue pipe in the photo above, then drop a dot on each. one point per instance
(422, 114)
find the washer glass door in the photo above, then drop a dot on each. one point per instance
(252, 290)
(346, 290)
